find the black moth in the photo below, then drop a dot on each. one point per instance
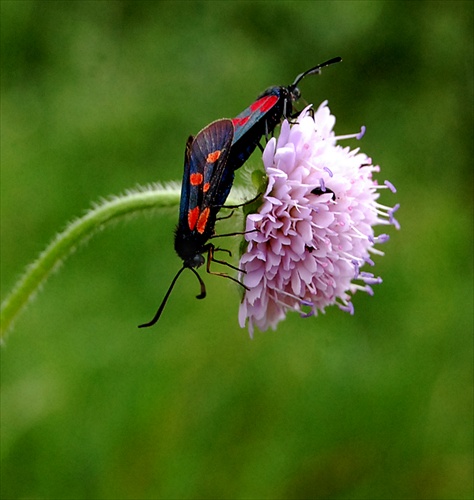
(207, 180)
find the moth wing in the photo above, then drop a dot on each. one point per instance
(210, 150)
(254, 116)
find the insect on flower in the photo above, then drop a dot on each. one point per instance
(262, 116)
(207, 180)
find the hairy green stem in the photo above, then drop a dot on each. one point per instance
(78, 231)
(75, 233)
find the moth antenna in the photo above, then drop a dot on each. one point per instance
(163, 303)
(316, 69)
(203, 286)
(168, 293)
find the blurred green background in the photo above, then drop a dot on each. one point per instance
(100, 96)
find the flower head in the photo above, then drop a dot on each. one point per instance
(314, 229)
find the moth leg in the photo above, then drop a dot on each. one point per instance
(238, 233)
(223, 262)
(228, 252)
(226, 216)
(248, 202)
(210, 257)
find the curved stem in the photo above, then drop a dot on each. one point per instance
(75, 233)
(78, 231)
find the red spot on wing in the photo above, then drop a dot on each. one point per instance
(202, 221)
(239, 122)
(206, 187)
(196, 179)
(264, 103)
(212, 157)
(193, 216)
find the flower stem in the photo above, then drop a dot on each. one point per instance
(75, 233)
(80, 230)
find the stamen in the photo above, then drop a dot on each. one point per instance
(328, 171)
(382, 238)
(358, 136)
(361, 133)
(390, 186)
(347, 307)
(355, 287)
(369, 278)
(391, 218)
(356, 268)
(375, 251)
(369, 290)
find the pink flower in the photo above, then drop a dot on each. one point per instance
(314, 230)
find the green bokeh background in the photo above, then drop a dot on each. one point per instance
(100, 96)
